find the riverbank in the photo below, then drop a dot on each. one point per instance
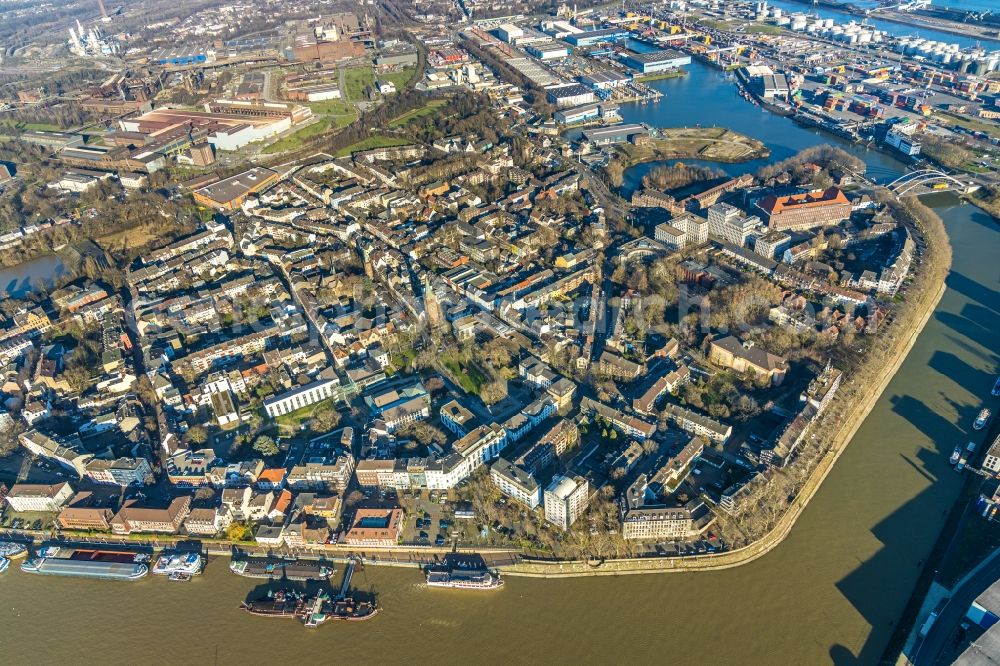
(713, 144)
(660, 76)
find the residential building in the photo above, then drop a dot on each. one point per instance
(745, 358)
(516, 483)
(301, 396)
(375, 528)
(134, 517)
(730, 224)
(38, 497)
(565, 500)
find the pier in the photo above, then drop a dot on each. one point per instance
(345, 587)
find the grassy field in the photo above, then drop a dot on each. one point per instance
(707, 143)
(356, 80)
(370, 143)
(398, 79)
(468, 375)
(970, 123)
(294, 420)
(762, 29)
(38, 127)
(426, 110)
(296, 139)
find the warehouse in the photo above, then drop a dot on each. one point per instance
(509, 33)
(604, 79)
(229, 194)
(548, 50)
(591, 37)
(606, 136)
(656, 61)
(579, 114)
(569, 94)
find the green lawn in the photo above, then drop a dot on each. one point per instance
(426, 110)
(296, 139)
(299, 416)
(331, 107)
(400, 78)
(370, 143)
(468, 375)
(38, 127)
(356, 80)
(762, 29)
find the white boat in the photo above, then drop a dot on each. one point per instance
(996, 388)
(4, 563)
(982, 419)
(186, 563)
(12, 550)
(481, 579)
(955, 455)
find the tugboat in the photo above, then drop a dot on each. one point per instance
(353, 611)
(12, 550)
(982, 419)
(280, 603)
(996, 389)
(955, 455)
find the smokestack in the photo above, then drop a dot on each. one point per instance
(104, 12)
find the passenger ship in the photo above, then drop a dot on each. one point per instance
(467, 579)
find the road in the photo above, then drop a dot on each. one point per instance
(951, 616)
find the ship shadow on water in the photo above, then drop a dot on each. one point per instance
(981, 294)
(975, 322)
(968, 330)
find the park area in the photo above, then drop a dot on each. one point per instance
(716, 144)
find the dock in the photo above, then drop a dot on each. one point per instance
(346, 585)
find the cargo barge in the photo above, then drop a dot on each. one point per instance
(262, 567)
(83, 563)
(279, 603)
(311, 611)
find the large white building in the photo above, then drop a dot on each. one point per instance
(516, 483)
(730, 224)
(302, 396)
(566, 499)
(39, 497)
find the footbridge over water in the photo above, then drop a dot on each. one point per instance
(933, 179)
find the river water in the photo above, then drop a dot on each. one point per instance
(830, 593)
(20, 280)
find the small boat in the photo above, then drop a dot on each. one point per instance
(4, 563)
(179, 576)
(12, 550)
(970, 447)
(188, 563)
(996, 389)
(982, 419)
(955, 455)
